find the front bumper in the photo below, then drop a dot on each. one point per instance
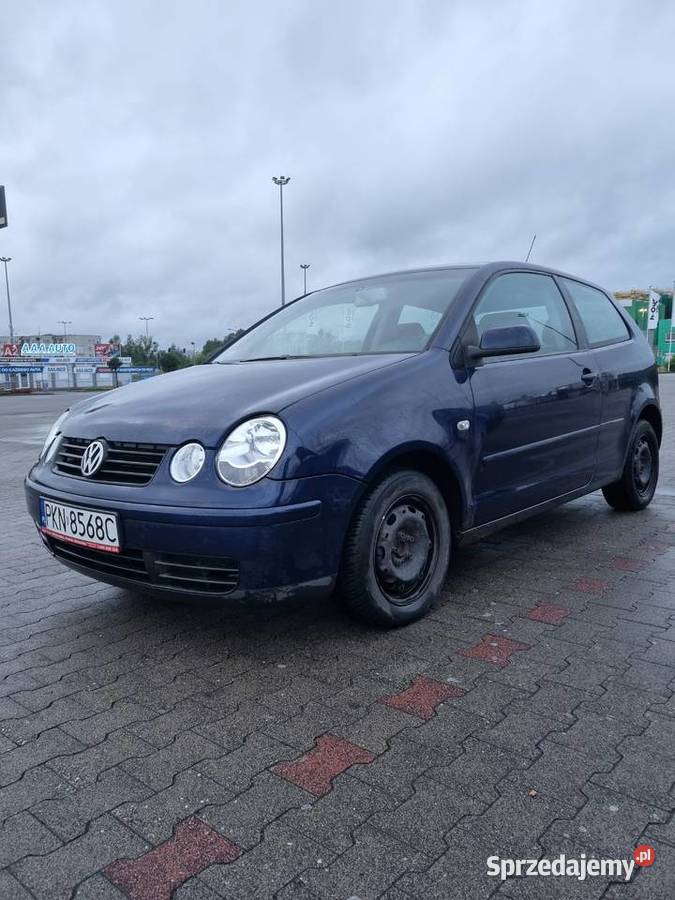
(257, 554)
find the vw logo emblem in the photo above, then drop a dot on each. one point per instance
(93, 458)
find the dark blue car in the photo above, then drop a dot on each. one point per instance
(354, 437)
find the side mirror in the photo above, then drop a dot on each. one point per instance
(506, 341)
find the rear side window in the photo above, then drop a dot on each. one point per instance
(602, 322)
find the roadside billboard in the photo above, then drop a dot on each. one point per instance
(106, 350)
(128, 370)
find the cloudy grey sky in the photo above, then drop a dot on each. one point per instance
(139, 140)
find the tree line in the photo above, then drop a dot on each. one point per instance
(144, 351)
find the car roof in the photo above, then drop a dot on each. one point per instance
(486, 268)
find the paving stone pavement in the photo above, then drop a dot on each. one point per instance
(151, 750)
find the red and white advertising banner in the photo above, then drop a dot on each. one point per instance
(105, 351)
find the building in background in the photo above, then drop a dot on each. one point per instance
(53, 362)
(636, 304)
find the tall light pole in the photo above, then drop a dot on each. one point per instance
(5, 260)
(146, 319)
(65, 323)
(304, 267)
(672, 328)
(281, 181)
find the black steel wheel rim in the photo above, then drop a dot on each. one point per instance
(643, 465)
(405, 549)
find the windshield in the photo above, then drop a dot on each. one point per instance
(391, 314)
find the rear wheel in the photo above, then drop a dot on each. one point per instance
(397, 550)
(635, 489)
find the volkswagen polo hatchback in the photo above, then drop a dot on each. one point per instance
(352, 438)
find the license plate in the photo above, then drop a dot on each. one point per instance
(86, 527)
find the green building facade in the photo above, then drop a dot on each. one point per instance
(662, 338)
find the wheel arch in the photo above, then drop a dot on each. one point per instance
(652, 414)
(428, 460)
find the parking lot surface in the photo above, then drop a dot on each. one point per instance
(151, 750)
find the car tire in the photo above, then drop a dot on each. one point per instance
(635, 489)
(397, 550)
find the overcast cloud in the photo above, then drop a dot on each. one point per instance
(139, 139)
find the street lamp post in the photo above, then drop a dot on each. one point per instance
(65, 323)
(146, 319)
(5, 260)
(281, 180)
(304, 267)
(672, 328)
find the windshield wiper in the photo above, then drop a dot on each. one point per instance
(267, 358)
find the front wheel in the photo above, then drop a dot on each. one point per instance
(397, 550)
(635, 489)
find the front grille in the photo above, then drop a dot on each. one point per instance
(125, 463)
(213, 575)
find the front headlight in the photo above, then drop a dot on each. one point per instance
(251, 451)
(51, 439)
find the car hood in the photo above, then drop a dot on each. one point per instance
(203, 402)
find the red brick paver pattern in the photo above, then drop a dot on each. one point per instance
(495, 649)
(549, 613)
(329, 757)
(623, 564)
(423, 697)
(591, 585)
(157, 874)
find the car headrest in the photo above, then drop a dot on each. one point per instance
(405, 336)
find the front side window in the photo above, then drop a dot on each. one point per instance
(392, 314)
(527, 298)
(603, 323)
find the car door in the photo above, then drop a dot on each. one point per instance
(537, 415)
(611, 343)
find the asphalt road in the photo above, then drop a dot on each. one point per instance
(149, 748)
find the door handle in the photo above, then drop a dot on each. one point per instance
(588, 377)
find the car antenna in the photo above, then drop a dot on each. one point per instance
(534, 238)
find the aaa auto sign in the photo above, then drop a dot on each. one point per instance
(46, 349)
(35, 349)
